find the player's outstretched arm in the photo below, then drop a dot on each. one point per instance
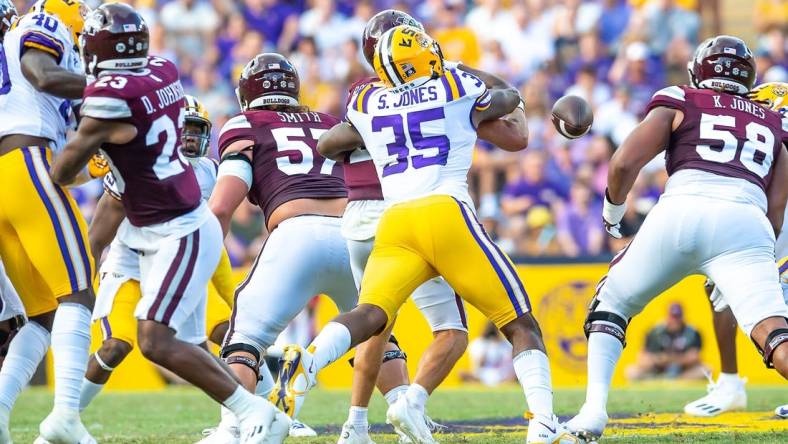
(643, 144)
(777, 194)
(233, 182)
(43, 72)
(337, 141)
(91, 135)
(502, 102)
(510, 132)
(106, 220)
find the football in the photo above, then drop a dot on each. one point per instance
(572, 116)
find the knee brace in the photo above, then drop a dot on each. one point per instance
(252, 363)
(775, 338)
(389, 355)
(599, 322)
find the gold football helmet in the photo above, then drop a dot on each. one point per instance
(196, 136)
(406, 58)
(71, 12)
(773, 95)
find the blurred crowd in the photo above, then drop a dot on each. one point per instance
(544, 201)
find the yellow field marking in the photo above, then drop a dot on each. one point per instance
(664, 423)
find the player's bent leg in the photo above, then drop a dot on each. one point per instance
(445, 312)
(771, 338)
(727, 392)
(25, 352)
(370, 370)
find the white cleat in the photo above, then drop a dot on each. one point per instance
(409, 421)
(350, 435)
(63, 428)
(300, 430)
(782, 411)
(547, 430)
(221, 435)
(296, 376)
(5, 435)
(721, 397)
(587, 425)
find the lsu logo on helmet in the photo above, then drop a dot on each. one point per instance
(773, 95)
(406, 58)
(71, 12)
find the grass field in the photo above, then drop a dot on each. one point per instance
(473, 415)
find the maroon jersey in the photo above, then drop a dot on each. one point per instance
(361, 177)
(156, 181)
(285, 162)
(721, 133)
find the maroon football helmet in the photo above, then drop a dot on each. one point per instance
(723, 63)
(115, 37)
(380, 23)
(7, 16)
(269, 79)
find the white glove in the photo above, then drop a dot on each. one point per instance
(718, 302)
(612, 215)
(448, 64)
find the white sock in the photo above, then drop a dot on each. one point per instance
(357, 417)
(228, 420)
(25, 352)
(604, 351)
(728, 378)
(331, 343)
(417, 396)
(89, 391)
(533, 371)
(70, 347)
(266, 382)
(241, 403)
(393, 395)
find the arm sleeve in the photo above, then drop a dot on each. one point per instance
(104, 103)
(42, 41)
(237, 128)
(671, 97)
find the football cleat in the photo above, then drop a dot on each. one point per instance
(63, 428)
(587, 426)
(221, 435)
(5, 435)
(547, 430)
(721, 397)
(782, 411)
(409, 421)
(300, 430)
(297, 375)
(350, 435)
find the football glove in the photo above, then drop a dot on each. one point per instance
(612, 215)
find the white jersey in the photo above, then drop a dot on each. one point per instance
(421, 140)
(23, 109)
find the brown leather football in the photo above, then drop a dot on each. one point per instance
(572, 116)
